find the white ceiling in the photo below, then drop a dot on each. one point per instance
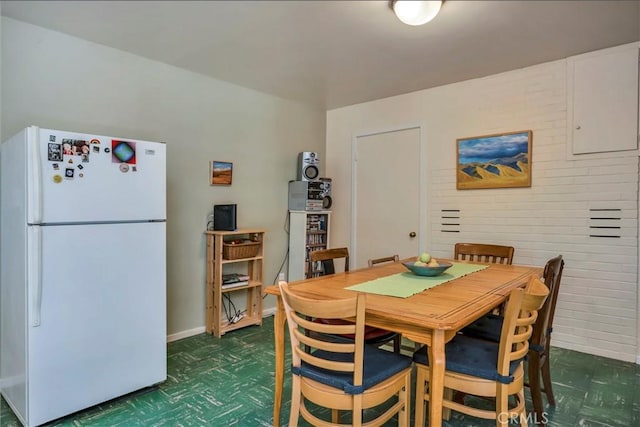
(336, 53)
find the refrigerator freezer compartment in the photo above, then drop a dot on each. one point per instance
(98, 179)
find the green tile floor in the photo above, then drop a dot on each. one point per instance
(229, 382)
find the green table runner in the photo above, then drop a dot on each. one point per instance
(404, 285)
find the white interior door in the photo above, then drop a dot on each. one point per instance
(387, 195)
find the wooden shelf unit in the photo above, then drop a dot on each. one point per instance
(216, 323)
(308, 232)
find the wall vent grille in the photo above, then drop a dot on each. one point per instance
(605, 223)
(450, 220)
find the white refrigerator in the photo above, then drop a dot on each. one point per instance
(82, 270)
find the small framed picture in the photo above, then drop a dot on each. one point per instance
(220, 173)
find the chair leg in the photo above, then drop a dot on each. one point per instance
(534, 383)
(546, 378)
(295, 401)
(502, 406)
(357, 410)
(404, 417)
(448, 395)
(522, 416)
(421, 403)
(335, 416)
(397, 341)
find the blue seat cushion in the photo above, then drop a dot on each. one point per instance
(472, 356)
(378, 366)
(488, 327)
(372, 335)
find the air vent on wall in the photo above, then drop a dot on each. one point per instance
(605, 223)
(450, 220)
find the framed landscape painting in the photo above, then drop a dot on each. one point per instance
(494, 161)
(221, 173)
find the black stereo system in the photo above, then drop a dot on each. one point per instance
(309, 192)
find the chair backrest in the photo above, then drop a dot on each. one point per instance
(392, 258)
(306, 336)
(520, 315)
(326, 257)
(481, 252)
(542, 329)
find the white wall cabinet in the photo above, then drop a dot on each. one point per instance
(603, 100)
(308, 231)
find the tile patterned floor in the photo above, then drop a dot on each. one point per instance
(229, 382)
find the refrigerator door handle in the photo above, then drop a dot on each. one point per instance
(34, 210)
(35, 274)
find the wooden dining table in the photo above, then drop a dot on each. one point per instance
(431, 317)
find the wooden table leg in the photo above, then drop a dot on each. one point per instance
(278, 332)
(436, 384)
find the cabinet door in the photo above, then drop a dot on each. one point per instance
(605, 100)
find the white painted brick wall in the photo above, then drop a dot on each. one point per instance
(597, 306)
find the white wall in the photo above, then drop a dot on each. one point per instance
(597, 307)
(53, 80)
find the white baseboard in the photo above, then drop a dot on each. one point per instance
(638, 360)
(195, 331)
(185, 334)
(272, 311)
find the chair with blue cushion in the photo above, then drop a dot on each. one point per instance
(325, 258)
(484, 368)
(541, 339)
(322, 261)
(481, 252)
(346, 375)
(489, 326)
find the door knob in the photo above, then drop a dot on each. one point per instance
(412, 234)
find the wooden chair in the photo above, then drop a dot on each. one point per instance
(375, 261)
(538, 363)
(484, 368)
(326, 257)
(373, 336)
(342, 376)
(480, 252)
(489, 327)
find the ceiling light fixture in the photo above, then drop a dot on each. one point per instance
(416, 12)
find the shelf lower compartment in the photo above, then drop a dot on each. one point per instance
(226, 326)
(230, 261)
(239, 288)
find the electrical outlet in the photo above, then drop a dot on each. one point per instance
(281, 277)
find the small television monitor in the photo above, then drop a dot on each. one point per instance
(224, 217)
